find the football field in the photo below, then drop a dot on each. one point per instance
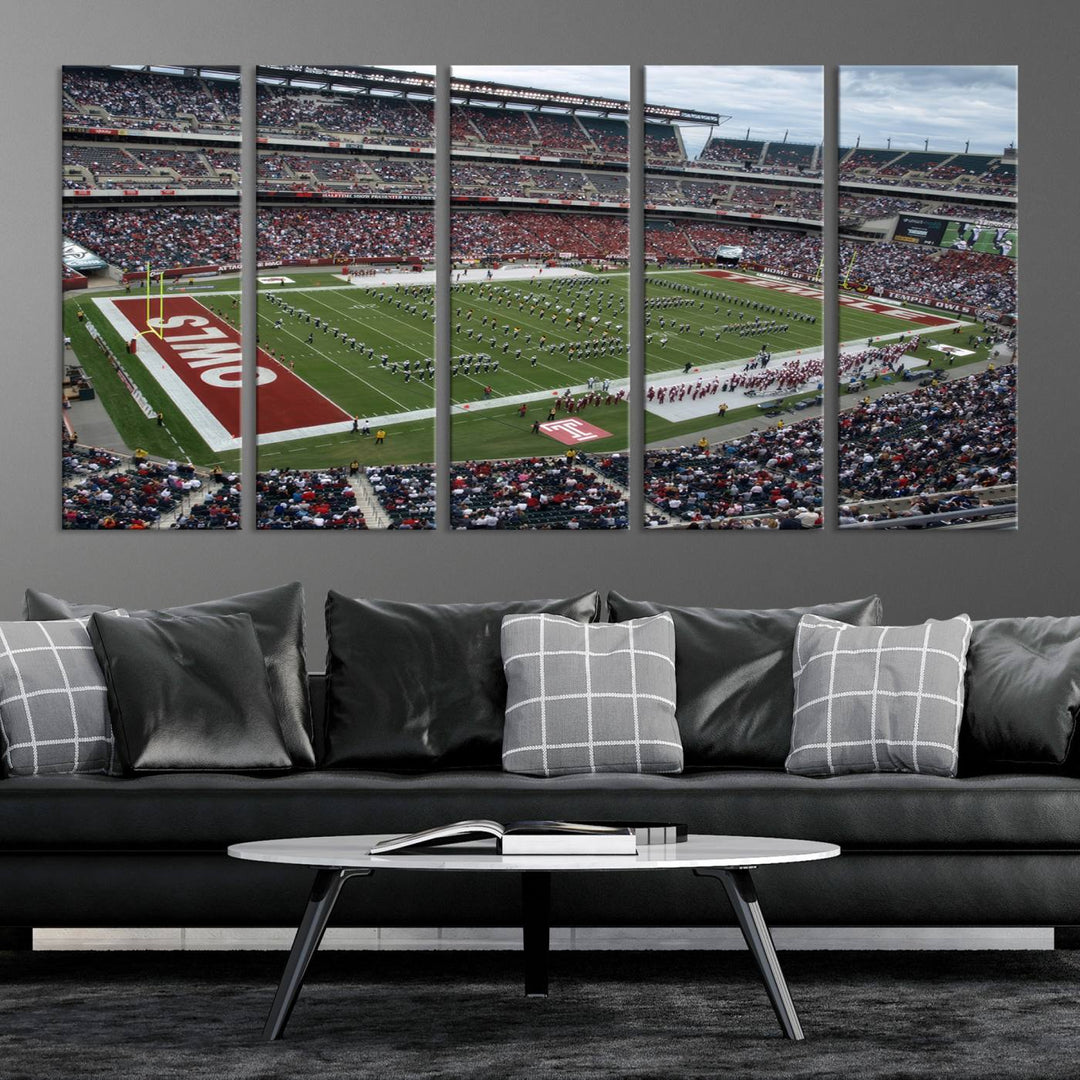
(331, 350)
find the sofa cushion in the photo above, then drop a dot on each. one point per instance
(1023, 694)
(733, 671)
(188, 693)
(585, 697)
(170, 812)
(421, 686)
(278, 616)
(54, 717)
(878, 698)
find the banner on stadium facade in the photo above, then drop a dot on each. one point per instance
(181, 271)
(76, 257)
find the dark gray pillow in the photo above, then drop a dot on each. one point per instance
(589, 698)
(733, 670)
(54, 717)
(415, 687)
(278, 617)
(1023, 694)
(878, 698)
(188, 694)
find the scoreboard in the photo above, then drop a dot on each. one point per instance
(963, 235)
(919, 230)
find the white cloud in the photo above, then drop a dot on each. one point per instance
(949, 105)
(769, 100)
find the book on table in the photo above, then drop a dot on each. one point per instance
(523, 838)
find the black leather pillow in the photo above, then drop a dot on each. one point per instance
(735, 691)
(278, 616)
(1022, 694)
(415, 687)
(188, 694)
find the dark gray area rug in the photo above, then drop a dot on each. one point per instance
(198, 1016)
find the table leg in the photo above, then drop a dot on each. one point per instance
(324, 894)
(740, 890)
(536, 929)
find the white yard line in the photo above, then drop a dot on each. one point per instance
(359, 378)
(379, 308)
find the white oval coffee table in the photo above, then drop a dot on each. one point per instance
(729, 859)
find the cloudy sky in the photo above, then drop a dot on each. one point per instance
(768, 100)
(947, 105)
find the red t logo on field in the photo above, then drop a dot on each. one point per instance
(572, 430)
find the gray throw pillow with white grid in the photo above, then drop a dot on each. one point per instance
(54, 713)
(878, 698)
(589, 697)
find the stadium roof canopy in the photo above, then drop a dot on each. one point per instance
(475, 91)
(352, 80)
(364, 80)
(201, 71)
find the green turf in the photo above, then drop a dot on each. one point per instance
(362, 386)
(712, 315)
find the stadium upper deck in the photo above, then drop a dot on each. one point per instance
(190, 99)
(971, 174)
(367, 135)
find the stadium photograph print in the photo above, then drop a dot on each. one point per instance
(346, 297)
(539, 321)
(151, 318)
(928, 320)
(734, 362)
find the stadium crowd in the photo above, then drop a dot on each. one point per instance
(957, 436)
(535, 493)
(100, 165)
(102, 490)
(976, 279)
(344, 173)
(976, 174)
(774, 473)
(188, 236)
(157, 101)
(301, 499)
(523, 233)
(381, 119)
(288, 234)
(731, 151)
(406, 493)
(326, 498)
(130, 238)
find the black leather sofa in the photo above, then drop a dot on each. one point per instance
(998, 846)
(991, 850)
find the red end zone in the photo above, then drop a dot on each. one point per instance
(878, 307)
(204, 352)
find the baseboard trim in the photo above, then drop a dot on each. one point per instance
(591, 938)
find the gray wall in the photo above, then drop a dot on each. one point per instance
(1032, 571)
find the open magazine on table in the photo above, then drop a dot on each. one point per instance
(541, 837)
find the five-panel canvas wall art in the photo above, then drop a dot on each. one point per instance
(744, 220)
